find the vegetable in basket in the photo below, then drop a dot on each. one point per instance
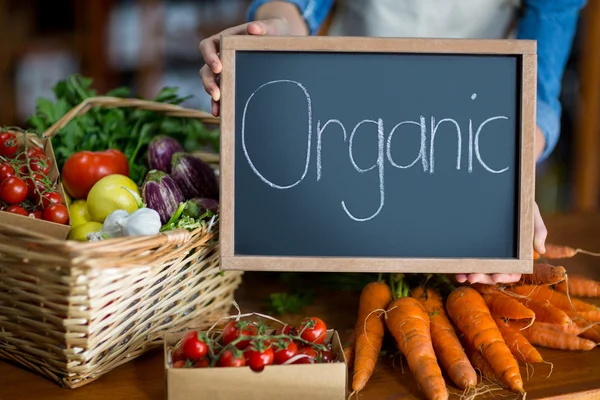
(109, 194)
(160, 152)
(194, 177)
(161, 193)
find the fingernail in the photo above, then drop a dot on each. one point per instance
(214, 65)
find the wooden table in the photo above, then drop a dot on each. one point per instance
(576, 375)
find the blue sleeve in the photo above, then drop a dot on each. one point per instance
(314, 12)
(553, 24)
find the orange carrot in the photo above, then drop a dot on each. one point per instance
(540, 336)
(572, 329)
(517, 343)
(593, 334)
(483, 288)
(478, 361)
(580, 286)
(555, 252)
(408, 322)
(468, 310)
(502, 305)
(369, 331)
(349, 349)
(445, 342)
(556, 298)
(546, 312)
(543, 274)
(590, 316)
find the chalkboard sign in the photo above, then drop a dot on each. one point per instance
(377, 154)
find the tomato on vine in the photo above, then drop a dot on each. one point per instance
(231, 358)
(57, 213)
(284, 350)
(49, 198)
(16, 210)
(193, 347)
(13, 190)
(6, 171)
(259, 355)
(235, 329)
(313, 330)
(311, 354)
(287, 330)
(8, 144)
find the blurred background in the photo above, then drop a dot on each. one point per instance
(149, 44)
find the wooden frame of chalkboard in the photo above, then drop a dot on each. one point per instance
(520, 262)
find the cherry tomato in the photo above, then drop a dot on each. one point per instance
(32, 152)
(284, 351)
(231, 359)
(13, 190)
(287, 330)
(202, 363)
(6, 171)
(313, 330)
(8, 144)
(193, 347)
(83, 169)
(235, 329)
(40, 164)
(178, 355)
(16, 210)
(258, 359)
(49, 198)
(179, 364)
(36, 181)
(35, 214)
(308, 351)
(57, 213)
(327, 356)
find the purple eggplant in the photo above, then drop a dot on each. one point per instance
(198, 206)
(161, 193)
(194, 177)
(160, 152)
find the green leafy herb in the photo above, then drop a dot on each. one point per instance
(282, 303)
(182, 220)
(127, 129)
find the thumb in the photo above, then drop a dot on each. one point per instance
(540, 232)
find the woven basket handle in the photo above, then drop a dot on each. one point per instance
(105, 101)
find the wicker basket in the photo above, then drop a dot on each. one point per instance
(73, 311)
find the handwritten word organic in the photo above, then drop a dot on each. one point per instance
(425, 154)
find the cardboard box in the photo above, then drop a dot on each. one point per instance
(58, 231)
(327, 381)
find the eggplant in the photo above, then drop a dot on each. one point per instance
(161, 193)
(160, 152)
(194, 177)
(197, 206)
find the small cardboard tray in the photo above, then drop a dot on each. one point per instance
(57, 231)
(325, 381)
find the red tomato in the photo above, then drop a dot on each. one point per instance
(40, 164)
(8, 144)
(51, 198)
(36, 214)
(178, 355)
(285, 351)
(57, 213)
(13, 190)
(327, 356)
(193, 347)
(202, 363)
(287, 330)
(310, 352)
(33, 183)
(83, 169)
(258, 359)
(16, 210)
(32, 152)
(179, 364)
(6, 171)
(235, 329)
(313, 330)
(231, 359)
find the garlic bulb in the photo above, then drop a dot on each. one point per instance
(111, 227)
(142, 222)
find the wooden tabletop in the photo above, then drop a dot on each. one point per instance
(576, 375)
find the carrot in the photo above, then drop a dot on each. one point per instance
(580, 286)
(555, 252)
(546, 312)
(556, 298)
(590, 316)
(543, 274)
(478, 361)
(593, 334)
(572, 329)
(445, 342)
(540, 336)
(349, 349)
(502, 305)
(483, 288)
(369, 331)
(408, 322)
(468, 310)
(517, 343)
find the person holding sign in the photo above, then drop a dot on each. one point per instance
(551, 23)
